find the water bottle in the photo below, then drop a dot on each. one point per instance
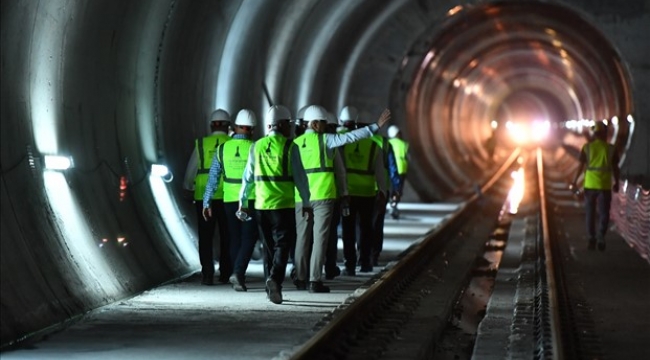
(242, 215)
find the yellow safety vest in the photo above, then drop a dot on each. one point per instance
(400, 149)
(274, 185)
(206, 147)
(233, 156)
(359, 158)
(599, 155)
(318, 166)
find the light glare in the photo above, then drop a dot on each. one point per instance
(54, 162)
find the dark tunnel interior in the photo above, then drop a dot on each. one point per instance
(120, 86)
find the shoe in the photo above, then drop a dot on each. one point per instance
(592, 244)
(238, 283)
(601, 246)
(300, 284)
(273, 291)
(207, 280)
(366, 268)
(332, 273)
(349, 272)
(224, 279)
(318, 287)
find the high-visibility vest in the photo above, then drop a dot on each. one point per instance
(400, 149)
(318, 166)
(274, 185)
(206, 148)
(233, 156)
(599, 155)
(359, 158)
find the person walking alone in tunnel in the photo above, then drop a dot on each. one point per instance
(196, 179)
(601, 162)
(275, 168)
(231, 158)
(317, 151)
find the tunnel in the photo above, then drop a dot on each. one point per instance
(120, 87)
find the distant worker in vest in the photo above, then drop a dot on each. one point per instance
(395, 181)
(275, 169)
(231, 159)
(196, 179)
(601, 177)
(365, 172)
(401, 151)
(318, 153)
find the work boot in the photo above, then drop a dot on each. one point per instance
(273, 291)
(318, 287)
(238, 283)
(592, 244)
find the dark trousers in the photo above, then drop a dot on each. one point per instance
(378, 227)
(331, 253)
(243, 236)
(278, 231)
(597, 202)
(361, 208)
(206, 238)
(206, 235)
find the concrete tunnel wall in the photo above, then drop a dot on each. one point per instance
(120, 85)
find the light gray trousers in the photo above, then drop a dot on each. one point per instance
(311, 242)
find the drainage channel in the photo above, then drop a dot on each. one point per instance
(457, 340)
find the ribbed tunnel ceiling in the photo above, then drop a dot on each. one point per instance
(507, 61)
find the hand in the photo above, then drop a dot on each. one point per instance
(307, 212)
(243, 210)
(207, 213)
(383, 118)
(615, 187)
(396, 197)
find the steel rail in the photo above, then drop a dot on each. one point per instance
(556, 336)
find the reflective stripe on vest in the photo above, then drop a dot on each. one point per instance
(274, 186)
(359, 159)
(599, 156)
(318, 166)
(233, 156)
(400, 149)
(206, 148)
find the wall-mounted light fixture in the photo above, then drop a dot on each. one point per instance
(162, 172)
(56, 162)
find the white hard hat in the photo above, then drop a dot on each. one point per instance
(315, 112)
(393, 131)
(219, 115)
(276, 114)
(331, 118)
(245, 117)
(301, 113)
(348, 113)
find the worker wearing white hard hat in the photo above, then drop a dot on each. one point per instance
(318, 154)
(274, 170)
(231, 158)
(196, 179)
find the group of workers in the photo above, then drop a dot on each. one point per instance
(291, 189)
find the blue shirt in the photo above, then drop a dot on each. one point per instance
(214, 174)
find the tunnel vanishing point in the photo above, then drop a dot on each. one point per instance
(118, 86)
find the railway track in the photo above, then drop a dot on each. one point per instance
(485, 284)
